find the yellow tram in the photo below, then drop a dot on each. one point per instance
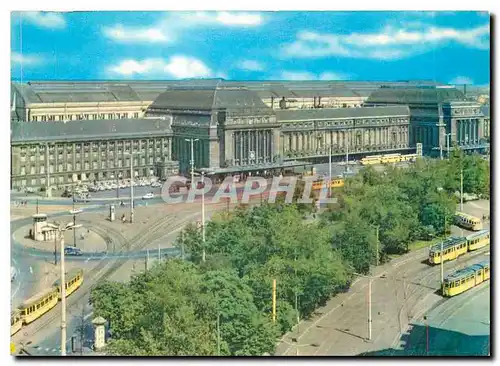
(390, 158)
(467, 221)
(478, 240)
(74, 279)
(453, 247)
(39, 304)
(371, 160)
(16, 322)
(465, 279)
(319, 183)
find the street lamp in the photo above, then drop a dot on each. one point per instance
(60, 230)
(132, 179)
(369, 302)
(192, 141)
(74, 212)
(448, 136)
(202, 213)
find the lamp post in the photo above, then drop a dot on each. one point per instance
(330, 171)
(74, 212)
(60, 230)
(192, 141)
(203, 214)
(448, 136)
(132, 180)
(369, 302)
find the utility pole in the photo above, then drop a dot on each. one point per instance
(274, 300)
(347, 155)
(55, 250)
(147, 259)
(330, 171)
(441, 151)
(192, 141)
(370, 310)
(203, 214)
(159, 253)
(377, 246)
(218, 333)
(37, 206)
(74, 222)
(132, 179)
(63, 296)
(461, 190)
(442, 266)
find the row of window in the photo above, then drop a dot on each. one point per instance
(452, 249)
(86, 166)
(69, 156)
(95, 145)
(466, 279)
(37, 306)
(82, 116)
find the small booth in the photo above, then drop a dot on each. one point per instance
(42, 231)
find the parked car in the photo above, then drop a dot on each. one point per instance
(148, 196)
(72, 251)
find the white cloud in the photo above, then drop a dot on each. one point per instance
(44, 19)
(122, 34)
(461, 80)
(251, 65)
(170, 26)
(390, 43)
(18, 58)
(297, 75)
(306, 75)
(177, 67)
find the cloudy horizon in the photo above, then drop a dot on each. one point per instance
(448, 47)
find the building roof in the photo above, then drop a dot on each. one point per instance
(88, 129)
(332, 113)
(208, 98)
(478, 234)
(88, 92)
(415, 95)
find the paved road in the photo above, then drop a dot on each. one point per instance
(400, 297)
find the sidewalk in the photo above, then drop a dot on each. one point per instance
(340, 327)
(91, 242)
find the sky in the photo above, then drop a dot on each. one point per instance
(446, 46)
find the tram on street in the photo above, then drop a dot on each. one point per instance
(465, 279)
(454, 246)
(39, 304)
(468, 221)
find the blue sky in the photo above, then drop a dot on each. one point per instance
(450, 47)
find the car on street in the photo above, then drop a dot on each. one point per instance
(148, 196)
(155, 184)
(72, 251)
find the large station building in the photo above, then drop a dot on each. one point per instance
(65, 133)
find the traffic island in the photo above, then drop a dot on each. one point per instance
(87, 240)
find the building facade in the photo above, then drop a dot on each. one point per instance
(440, 117)
(83, 151)
(65, 133)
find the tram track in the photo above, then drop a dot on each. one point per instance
(103, 269)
